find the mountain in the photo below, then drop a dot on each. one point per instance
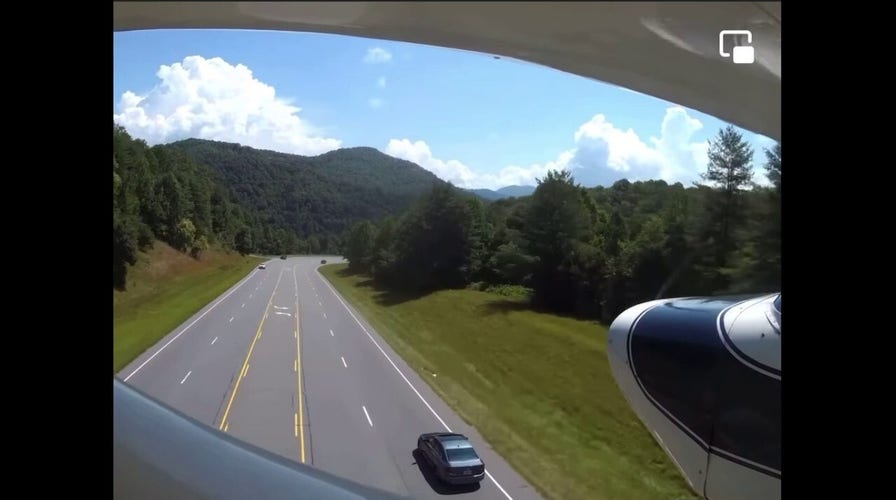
(516, 190)
(486, 194)
(313, 195)
(198, 194)
(504, 192)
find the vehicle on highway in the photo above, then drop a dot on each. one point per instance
(283, 257)
(323, 261)
(262, 266)
(452, 457)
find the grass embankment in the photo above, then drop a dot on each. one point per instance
(537, 386)
(165, 288)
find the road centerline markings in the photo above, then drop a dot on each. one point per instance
(236, 387)
(301, 413)
(186, 377)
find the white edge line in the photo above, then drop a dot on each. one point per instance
(331, 333)
(186, 377)
(231, 320)
(213, 341)
(367, 415)
(191, 324)
(402, 375)
(343, 361)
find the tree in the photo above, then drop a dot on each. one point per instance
(359, 248)
(556, 221)
(432, 244)
(757, 263)
(728, 172)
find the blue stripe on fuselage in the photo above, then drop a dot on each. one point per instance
(727, 407)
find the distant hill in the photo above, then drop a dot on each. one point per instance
(313, 196)
(504, 192)
(197, 195)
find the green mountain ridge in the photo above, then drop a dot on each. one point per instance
(313, 196)
(195, 194)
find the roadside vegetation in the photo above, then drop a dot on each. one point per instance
(525, 362)
(166, 287)
(536, 385)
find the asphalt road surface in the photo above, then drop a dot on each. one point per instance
(282, 361)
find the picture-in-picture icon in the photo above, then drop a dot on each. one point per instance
(740, 54)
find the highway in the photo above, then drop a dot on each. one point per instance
(282, 361)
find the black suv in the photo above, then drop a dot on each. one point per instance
(452, 457)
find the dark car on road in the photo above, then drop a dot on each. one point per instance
(452, 457)
(283, 257)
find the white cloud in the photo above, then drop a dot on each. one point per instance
(376, 102)
(212, 99)
(377, 55)
(418, 152)
(605, 153)
(602, 155)
(461, 175)
(381, 82)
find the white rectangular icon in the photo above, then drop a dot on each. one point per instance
(740, 54)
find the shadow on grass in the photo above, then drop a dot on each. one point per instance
(437, 484)
(507, 305)
(383, 295)
(504, 306)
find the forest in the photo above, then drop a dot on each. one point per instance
(196, 193)
(590, 252)
(585, 251)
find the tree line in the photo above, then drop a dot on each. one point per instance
(195, 194)
(590, 251)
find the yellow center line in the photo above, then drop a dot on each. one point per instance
(224, 423)
(299, 380)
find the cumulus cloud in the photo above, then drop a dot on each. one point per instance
(376, 102)
(603, 154)
(461, 175)
(377, 55)
(418, 152)
(381, 82)
(213, 99)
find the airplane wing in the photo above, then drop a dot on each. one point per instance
(669, 50)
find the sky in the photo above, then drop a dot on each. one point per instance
(471, 119)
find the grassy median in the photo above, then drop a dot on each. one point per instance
(537, 386)
(165, 288)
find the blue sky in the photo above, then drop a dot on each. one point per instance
(472, 119)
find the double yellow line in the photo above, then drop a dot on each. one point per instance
(299, 416)
(300, 425)
(224, 425)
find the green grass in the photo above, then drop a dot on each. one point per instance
(165, 288)
(537, 386)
